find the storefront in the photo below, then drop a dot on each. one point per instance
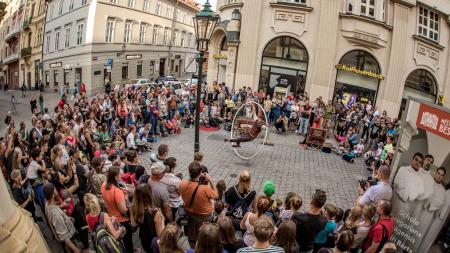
(283, 67)
(358, 77)
(419, 84)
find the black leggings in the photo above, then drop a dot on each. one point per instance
(128, 238)
(81, 225)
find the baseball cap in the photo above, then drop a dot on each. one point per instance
(158, 168)
(269, 188)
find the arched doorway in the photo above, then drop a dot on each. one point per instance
(419, 84)
(358, 77)
(283, 67)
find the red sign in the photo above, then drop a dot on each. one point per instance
(260, 94)
(434, 120)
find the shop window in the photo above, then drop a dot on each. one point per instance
(47, 79)
(139, 69)
(55, 78)
(125, 72)
(428, 24)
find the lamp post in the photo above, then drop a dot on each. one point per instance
(204, 23)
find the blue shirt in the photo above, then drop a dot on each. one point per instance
(322, 236)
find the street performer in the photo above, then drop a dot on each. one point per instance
(247, 134)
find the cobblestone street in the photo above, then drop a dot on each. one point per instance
(290, 167)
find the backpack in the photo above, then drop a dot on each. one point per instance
(240, 208)
(104, 242)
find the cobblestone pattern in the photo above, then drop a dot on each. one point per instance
(290, 167)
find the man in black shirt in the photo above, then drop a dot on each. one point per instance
(309, 224)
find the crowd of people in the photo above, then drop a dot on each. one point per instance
(81, 165)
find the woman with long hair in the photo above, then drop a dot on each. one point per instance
(168, 242)
(233, 196)
(285, 237)
(56, 157)
(69, 202)
(353, 219)
(143, 214)
(93, 212)
(115, 200)
(362, 230)
(229, 240)
(209, 240)
(248, 222)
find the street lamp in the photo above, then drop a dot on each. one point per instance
(204, 23)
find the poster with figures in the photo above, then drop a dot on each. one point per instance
(420, 178)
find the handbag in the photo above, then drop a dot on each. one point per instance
(181, 216)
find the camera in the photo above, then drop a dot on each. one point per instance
(202, 180)
(363, 183)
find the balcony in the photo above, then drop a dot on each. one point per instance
(11, 58)
(27, 23)
(25, 52)
(13, 33)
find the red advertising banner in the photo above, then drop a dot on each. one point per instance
(434, 120)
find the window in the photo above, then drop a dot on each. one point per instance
(125, 72)
(289, 1)
(71, 5)
(127, 32)
(130, 3)
(166, 37)
(139, 69)
(155, 35)
(178, 15)
(61, 4)
(83, 2)
(189, 42)
(368, 8)
(169, 11)
(183, 38)
(350, 5)
(158, 8)
(57, 40)
(80, 28)
(47, 40)
(142, 32)
(50, 12)
(67, 38)
(152, 67)
(429, 24)
(174, 38)
(114, 1)
(110, 23)
(145, 6)
(47, 79)
(55, 77)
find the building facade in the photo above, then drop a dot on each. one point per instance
(382, 51)
(99, 41)
(31, 44)
(10, 29)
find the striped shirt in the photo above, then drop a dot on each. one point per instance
(270, 249)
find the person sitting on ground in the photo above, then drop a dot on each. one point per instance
(60, 224)
(295, 203)
(285, 237)
(262, 205)
(343, 243)
(229, 240)
(281, 124)
(209, 240)
(310, 223)
(329, 211)
(263, 229)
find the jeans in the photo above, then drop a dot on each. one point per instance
(303, 125)
(172, 113)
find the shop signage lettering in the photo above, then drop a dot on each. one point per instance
(220, 56)
(134, 56)
(434, 120)
(56, 65)
(358, 71)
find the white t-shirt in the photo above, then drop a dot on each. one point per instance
(380, 191)
(32, 170)
(130, 141)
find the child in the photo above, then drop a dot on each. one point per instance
(359, 148)
(218, 209)
(94, 215)
(321, 238)
(168, 243)
(294, 206)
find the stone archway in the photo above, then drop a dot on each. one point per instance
(217, 60)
